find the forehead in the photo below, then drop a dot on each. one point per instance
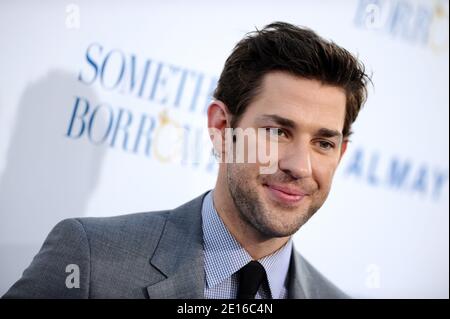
(307, 102)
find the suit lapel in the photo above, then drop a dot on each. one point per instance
(179, 255)
(297, 277)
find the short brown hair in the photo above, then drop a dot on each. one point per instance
(300, 51)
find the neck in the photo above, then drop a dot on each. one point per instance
(256, 244)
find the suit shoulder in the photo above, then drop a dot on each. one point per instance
(90, 244)
(129, 231)
(316, 284)
(133, 221)
(65, 246)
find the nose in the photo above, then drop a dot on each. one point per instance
(296, 161)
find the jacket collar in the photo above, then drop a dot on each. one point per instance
(179, 255)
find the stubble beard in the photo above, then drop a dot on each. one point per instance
(268, 222)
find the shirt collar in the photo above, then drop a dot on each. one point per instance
(224, 255)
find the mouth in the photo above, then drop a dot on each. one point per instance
(285, 195)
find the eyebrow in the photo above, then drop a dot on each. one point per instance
(279, 120)
(323, 132)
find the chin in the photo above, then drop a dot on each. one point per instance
(279, 232)
(281, 222)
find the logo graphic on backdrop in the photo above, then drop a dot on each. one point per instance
(150, 132)
(396, 174)
(425, 24)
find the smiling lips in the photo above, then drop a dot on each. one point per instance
(285, 194)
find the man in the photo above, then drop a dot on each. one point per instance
(302, 92)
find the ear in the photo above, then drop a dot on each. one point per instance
(218, 120)
(217, 115)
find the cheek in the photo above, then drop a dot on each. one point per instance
(323, 172)
(246, 173)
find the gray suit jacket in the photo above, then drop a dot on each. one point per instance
(146, 255)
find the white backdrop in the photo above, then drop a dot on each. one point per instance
(95, 96)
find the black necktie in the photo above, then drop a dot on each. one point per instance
(251, 277)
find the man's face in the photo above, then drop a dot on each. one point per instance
(307, 117)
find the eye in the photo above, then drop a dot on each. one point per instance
(275, 131)
(325, 145)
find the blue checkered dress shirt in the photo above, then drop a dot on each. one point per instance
(224, 256)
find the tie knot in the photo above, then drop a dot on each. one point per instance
(251, 277)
